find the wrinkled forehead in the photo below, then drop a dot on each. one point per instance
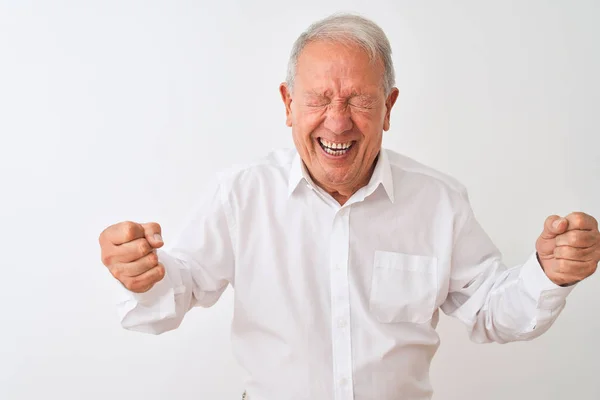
(335, 64)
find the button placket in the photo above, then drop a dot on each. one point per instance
(340, 303)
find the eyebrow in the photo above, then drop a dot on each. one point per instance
(314, 92)
(327, 93)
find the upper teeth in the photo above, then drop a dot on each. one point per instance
(331, 145)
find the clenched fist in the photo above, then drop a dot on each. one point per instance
(569, 248)
(129, 251)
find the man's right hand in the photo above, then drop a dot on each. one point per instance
(128, 249)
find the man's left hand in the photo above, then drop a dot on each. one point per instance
(569, 248)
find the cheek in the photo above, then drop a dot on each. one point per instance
(308, 121)
(368, 124)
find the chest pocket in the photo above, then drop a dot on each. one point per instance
(403, 287)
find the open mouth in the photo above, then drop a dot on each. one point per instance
(335, 149)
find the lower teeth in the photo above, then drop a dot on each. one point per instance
(336, 152)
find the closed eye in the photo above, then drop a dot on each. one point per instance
(363, 106)
(362, 102)
(317, 102)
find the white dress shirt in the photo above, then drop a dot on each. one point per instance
(341, 302)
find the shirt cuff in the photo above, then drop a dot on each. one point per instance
(548, 294)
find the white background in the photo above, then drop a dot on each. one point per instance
(119, 110)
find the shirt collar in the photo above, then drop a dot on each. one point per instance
(382, 174)
(298, 173)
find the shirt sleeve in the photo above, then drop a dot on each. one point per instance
(497, 303)
(199, 265)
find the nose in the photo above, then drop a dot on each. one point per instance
(337, 119)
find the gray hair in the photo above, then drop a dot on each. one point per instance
(347, 28)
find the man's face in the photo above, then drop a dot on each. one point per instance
(338, 111)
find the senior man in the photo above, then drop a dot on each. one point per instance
(341, 252)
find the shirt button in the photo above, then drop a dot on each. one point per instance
(342, 323)
(343, 381)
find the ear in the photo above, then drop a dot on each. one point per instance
(389, 103)
(286, 96)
